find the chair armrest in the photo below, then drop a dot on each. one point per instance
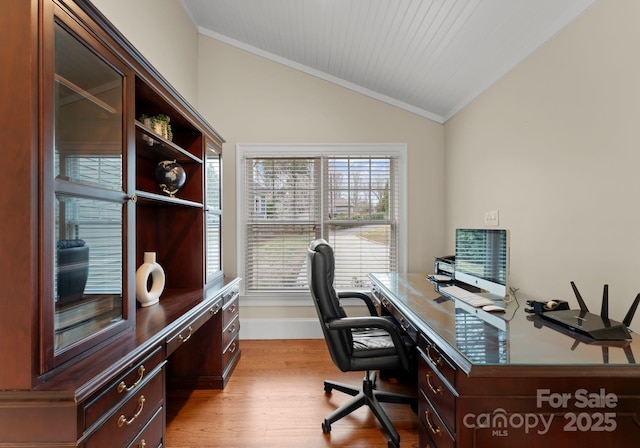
(382, 323)
(359, 295)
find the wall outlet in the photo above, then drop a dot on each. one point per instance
(491, 218)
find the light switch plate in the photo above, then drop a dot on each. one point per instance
(491, 218)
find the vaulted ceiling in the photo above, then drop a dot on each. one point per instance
(431, 57)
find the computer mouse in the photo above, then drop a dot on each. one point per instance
(494, 308)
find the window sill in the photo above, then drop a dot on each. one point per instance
(287, 300)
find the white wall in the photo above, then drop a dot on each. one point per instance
(249, 99)
(555, 147)
(163, 32)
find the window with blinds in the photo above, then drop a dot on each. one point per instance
(213, 216)
(352, 201)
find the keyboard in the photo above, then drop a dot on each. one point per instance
(466, 296)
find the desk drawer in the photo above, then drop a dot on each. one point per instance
(230, 332)
(132, 415)
(230, 310)
(183, 334)
(391, 310)
(438, 392)
(122, 388)
(437, 361)
(436, 430)
(230, 352)
(151, 435)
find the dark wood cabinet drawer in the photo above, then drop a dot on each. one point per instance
(438, 392)
(132, 415)
(184, 333)
(437, 360)
(231, 294)
(152, 435)
(230, 332)
(436, 430)
(424, 440)
(230, 352)
(230, 310)
(388, 308)
(123, 387)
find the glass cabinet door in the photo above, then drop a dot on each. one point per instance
(213, 215)
(88, 201)
(88, 267)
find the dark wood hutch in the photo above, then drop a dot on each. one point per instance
(83, 364)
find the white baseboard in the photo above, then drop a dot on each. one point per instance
(292, 328)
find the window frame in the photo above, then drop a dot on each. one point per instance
(301, 298)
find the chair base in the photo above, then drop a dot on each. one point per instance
(368, 396)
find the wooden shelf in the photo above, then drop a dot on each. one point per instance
(84, 94)
(145, 197)
(160, 148)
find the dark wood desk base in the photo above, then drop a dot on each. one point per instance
(462, 404)
(117, 397)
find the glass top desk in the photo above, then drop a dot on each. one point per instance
(488, 379)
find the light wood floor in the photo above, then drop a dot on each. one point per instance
(275, 398)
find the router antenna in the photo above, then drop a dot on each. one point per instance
(604, 311)
(632, 310)
(583, 306)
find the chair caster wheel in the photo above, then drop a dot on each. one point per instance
(326, 427)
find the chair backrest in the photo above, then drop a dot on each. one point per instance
(320, 273)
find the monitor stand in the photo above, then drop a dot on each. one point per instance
(597, 327)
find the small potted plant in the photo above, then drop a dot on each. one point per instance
(158, 124)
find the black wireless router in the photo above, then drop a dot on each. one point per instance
(597, 327)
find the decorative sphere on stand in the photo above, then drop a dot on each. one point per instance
(170, 176)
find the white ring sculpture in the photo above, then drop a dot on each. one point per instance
(149, 268)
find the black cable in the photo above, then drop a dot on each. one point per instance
(512, 294)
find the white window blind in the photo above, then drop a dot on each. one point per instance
(283, 215)
(213, 216)
(361, 216)
(351, 201)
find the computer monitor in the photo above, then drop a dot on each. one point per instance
(482, 259)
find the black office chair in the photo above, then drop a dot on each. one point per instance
(357, 343)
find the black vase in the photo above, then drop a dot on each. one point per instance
(73, 270)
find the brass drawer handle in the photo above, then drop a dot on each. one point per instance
(232, 348)
(232, 308)
(232, 328)
(183, 339)
(384, 302)
(434, 429)
(142, 444)
(123, 420)
(435, 390)
(437, 362)
(122, 387)
(214, 309)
